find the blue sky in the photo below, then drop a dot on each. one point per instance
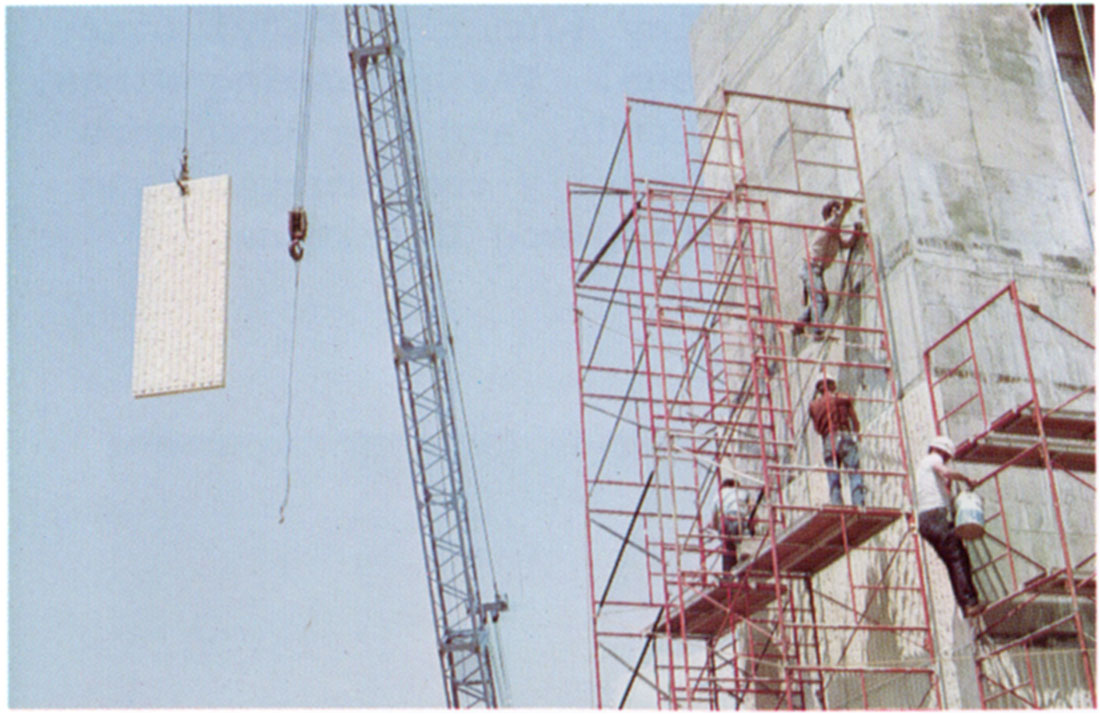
(147, 565)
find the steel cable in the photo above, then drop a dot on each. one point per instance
(300, 161)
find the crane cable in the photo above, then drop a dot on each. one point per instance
(298, 221)
(185, 174)
(503, 693)
(304, 102)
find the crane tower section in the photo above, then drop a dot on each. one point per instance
(413, 300)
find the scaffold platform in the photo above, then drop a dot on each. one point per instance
(714, 611)
(1044, 607)
(818, 539)
(812, 543)
(1009, 439)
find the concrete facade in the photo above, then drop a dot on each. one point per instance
(971, 181)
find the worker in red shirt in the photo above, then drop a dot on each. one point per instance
(834, 418)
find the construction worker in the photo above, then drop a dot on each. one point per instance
(731, 519)
(834, 418)
(936, 524)
(823, 249)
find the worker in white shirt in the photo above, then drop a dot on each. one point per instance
(731, 519)
(936, 523)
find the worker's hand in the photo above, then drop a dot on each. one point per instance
(858, 236)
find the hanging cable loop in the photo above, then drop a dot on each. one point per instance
(290, 391)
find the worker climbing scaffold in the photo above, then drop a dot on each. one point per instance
(936, 524)
(821, 253)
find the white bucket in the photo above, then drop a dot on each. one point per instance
(969, 518)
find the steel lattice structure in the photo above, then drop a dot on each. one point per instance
(406, 255)
(684, 265)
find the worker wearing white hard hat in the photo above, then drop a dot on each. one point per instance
(731, 519)
(936, 522)
(834, 418)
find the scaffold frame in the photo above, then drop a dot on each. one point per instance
(1043, 432)
(689, 371)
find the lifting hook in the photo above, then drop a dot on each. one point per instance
(298, 226)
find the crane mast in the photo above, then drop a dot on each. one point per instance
(406, 255)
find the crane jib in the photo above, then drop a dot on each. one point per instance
(414, 303)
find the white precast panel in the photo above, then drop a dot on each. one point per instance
(183, 286)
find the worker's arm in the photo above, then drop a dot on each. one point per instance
(946, 473)
(838, 220)
(859, 230)
(851, 240)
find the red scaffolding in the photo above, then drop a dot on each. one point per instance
(1027, 429)
(686, 288)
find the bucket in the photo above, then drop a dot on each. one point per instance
(969, 519)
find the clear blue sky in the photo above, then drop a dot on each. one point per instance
(147, 565)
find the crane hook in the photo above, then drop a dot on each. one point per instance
(298, 227)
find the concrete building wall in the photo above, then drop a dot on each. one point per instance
(970, 183)
(968, 173)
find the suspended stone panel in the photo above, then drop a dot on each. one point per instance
(183, 285)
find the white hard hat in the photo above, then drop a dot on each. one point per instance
(827, 377)
(944, 444)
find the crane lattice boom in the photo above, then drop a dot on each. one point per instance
(406, 255)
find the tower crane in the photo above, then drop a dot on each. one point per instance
(410, 281)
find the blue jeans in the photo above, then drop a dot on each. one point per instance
(813, 283)
(847, 457)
